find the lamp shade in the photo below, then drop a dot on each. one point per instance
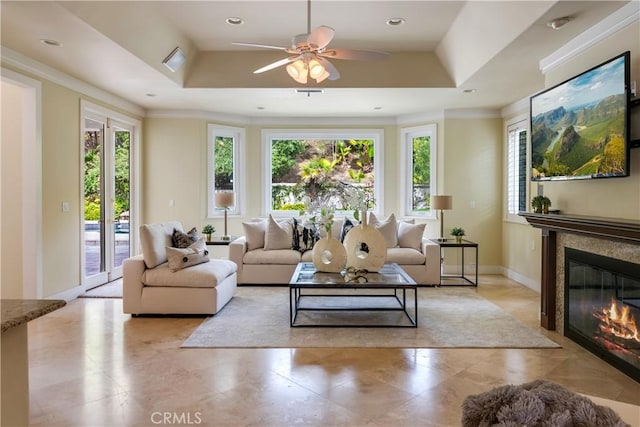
(441, 202)
(224, 199)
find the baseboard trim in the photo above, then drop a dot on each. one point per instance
(69, 294)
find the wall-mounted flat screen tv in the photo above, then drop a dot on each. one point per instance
(580, 128)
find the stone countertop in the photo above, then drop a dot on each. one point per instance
(16, 312)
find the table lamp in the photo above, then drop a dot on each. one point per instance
(441, 203)
(225, 199)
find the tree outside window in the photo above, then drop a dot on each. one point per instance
(303, 169)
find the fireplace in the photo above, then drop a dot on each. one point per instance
(602, 307)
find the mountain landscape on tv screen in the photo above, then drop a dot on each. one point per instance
(586, 140)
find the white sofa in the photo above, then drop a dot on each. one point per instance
(151, 287)
(257, 265)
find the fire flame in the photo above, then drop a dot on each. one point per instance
(618, 322)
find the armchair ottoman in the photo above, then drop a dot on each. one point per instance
(151, 287)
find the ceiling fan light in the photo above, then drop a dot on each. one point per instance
(298, 71)
(322, 76)
(316, 69)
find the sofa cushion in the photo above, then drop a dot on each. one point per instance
(279, 234)
(179, 258)
(254, 231)
(410, 235)
(405, 256)
(154, 239)
(184, 240)
(387, 227)
(206, 275)
(276, 256)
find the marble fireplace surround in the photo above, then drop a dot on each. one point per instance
(611, 237)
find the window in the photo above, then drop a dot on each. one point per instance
(225, 155)
(516, 168)
(418, 163)
(318, 164)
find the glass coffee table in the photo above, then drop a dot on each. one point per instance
(352, 298)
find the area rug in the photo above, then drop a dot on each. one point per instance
(258, 317)
(108, 290)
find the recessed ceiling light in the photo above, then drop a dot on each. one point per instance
(558, 23)
(151, 95)
(50, 42)
(260, 108)
(233, 20)
(377, 108)
(395, 21)
(470, 90)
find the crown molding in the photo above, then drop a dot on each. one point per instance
(26, 64)
(420, 118)
(464, 113)
(618, 20)
(198, 114)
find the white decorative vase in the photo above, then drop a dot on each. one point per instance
(365, 246)
(329, 255)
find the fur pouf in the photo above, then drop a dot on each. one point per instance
(538, 403)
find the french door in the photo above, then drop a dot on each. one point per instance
(107, 171)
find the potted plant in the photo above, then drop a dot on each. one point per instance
(208, 230)
(540, 204)
(457, 232)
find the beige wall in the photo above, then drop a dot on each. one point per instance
(61, 169)
(11, 277)
(473, 176)
(616, 197)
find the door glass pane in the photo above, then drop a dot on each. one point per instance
(121, 205)
(93, 212)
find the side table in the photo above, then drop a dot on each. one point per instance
(220, 247)
(462, 246)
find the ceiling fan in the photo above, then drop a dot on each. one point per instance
(310, 52)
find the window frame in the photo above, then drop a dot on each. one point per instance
(268, 135)
(518, 123)
(406, 167)
(239, 140)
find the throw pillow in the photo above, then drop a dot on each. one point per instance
(184, 240)
(346, 226)
(254, 231)
(410, 235)
(387, 227)
(304, 237)
(180, 258)
(279, 235)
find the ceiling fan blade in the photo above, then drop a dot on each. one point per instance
(320, 37)
(266, 46)
(276, 64)
(359, 55)
(334, 74)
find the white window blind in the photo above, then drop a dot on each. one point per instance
(516, 168)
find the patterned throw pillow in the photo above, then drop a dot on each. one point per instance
(180, 258)
(346, 226)
(304, 237)
(184, 240)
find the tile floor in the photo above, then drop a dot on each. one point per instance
(92, 365)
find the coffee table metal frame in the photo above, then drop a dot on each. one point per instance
(305, 277)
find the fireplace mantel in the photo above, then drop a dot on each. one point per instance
(605, 228)
(620, 230)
